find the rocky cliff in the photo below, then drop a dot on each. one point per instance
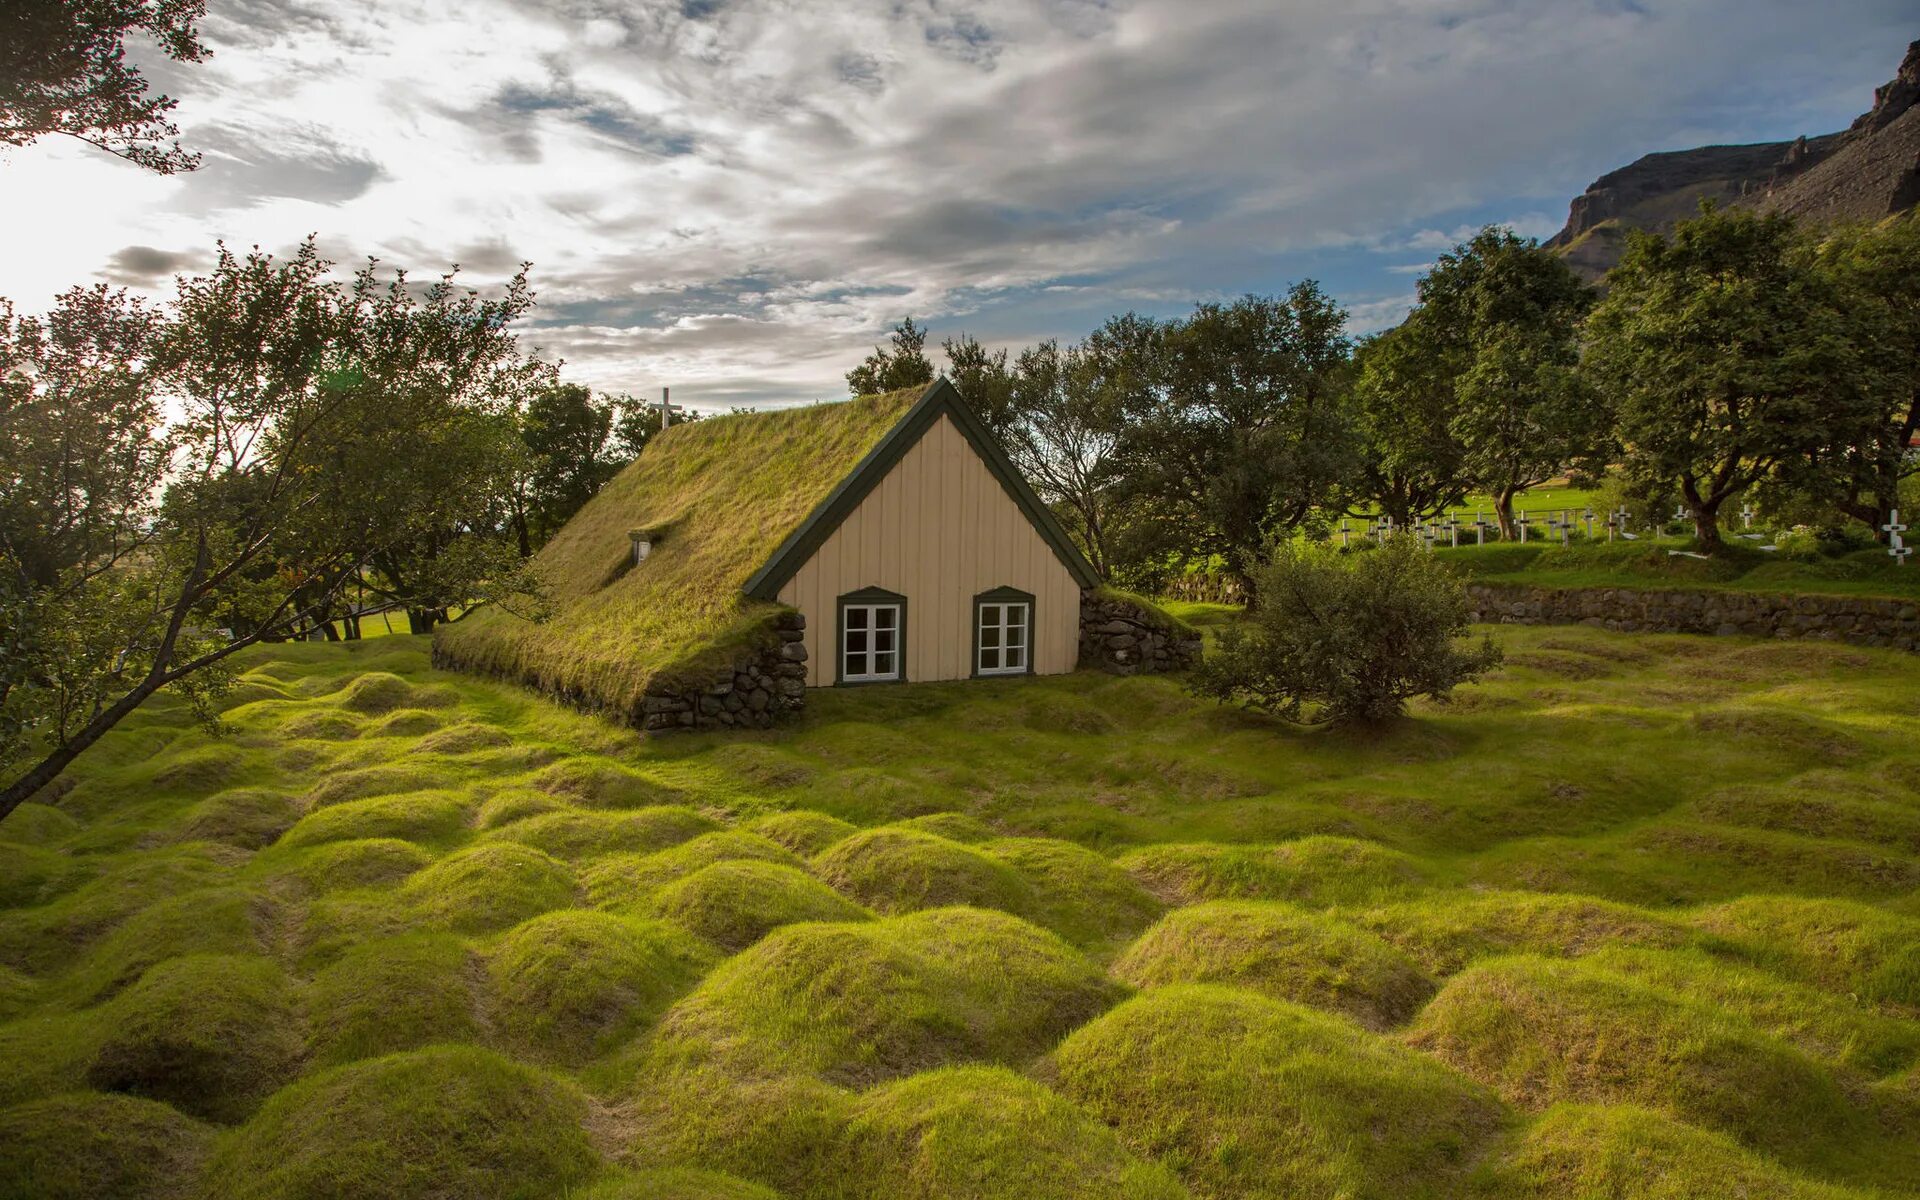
(1867, 171)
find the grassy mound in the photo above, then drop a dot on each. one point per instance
(490, 886)
(431, 818)
(89, 1146)
(392, 994)
(626, 882)
(341, 786)
(464, 738)
(987, 1132)
(1077, 893)
(1574, 1152)
(1283, 952)
(246, 817)
(953, 826)
(1541, 1032)
(571, 985)
(676, 1183)
(375, 692)
(599, 783)
(1445, 932)
(1317, 872)
(895, 870)
(408, 722)
(1850, 947)
(517, 804)
(324, 725)
(803, 831)
(735, 904)
(1249, 1097)
(212, 1035)
(358, 863)
(38, 825)
(30, 875)
(225, 920)
(573, 834)
(441, 1122)
(859, 1003)
(786, 1132)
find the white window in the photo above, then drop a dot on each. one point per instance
(869, 643)
(1001, 641)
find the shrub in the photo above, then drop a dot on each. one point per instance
(212, 1035)
(89, 1146)
(894, 870)
(571, 985)
(1282, 952)
(988, 1132)
(490, 886)
(440, 1122)
(392, 994)
(1249, 1097)
(1347, 637)
(734, 904)
(860, 1003)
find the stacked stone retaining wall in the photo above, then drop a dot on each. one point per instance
(1861, 620)
(752, 693)
(1123, 638)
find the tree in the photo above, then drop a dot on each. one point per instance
(637, 422)
(64, 70)
(904, 366)
(1878, 268)
(176, 486)
(1342, 637)
(1411, 465)
(983, 381)
(566, 433)
(1065, 436)
(1499, 325)
(1731, 358)
(1245, 435)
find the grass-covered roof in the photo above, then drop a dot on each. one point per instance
(719, 497)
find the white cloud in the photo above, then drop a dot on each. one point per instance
(737, 196)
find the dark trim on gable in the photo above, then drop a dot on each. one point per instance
(868, 595)
(1001, 595)
(941, 397)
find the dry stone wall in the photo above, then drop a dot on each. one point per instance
(1125, 639)
(750, 694)
(1863, 621)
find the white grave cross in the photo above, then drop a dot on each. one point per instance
(1897, 547)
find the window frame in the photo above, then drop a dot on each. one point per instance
(870, 598)
(1001, 596)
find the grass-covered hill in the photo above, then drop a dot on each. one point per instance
(1637, 917)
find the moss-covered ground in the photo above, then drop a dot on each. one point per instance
(1637, 916)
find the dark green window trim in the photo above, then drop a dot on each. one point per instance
(868, 595)
(940, 398)
(1000, 595)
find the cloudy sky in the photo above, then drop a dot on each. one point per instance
(737, 197)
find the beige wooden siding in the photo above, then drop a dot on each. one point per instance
(939, 530)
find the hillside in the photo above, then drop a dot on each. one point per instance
(1867, 171)
(1636, 916)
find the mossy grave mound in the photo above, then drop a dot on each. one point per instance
(1445, 932)
(896, 870)
(989, 1133)
(246, 817)
(490, 886)
(787, 1132)
(676, 1183)
(803, 831)
(338, 787)
(441, 1122)
(464, 738)
(1283, 952)
(1540, 1032)
(1078, 894)
(1249, 1097)
(627, 882)
(598, 783)
(575, 834)
(226, 920)
(1318, 872)
(431, 818)
(734, 904)
(212, 1035)
(375, 692)
(322, 725)
(91, 1146)
(355, 863)
(393, 994)
(859, 1003)
(571, 985)
(1850, 947)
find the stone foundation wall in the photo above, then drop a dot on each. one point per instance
(1860, 620)
(751, 694)
(1125, 639)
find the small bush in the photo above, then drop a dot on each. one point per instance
(1347, 637)
(442, 1122)
(895, 870)
(571, 985)
(1282, 952)
(489, 887)
(89, 1146)
(734, 904)
(392, 994)
(212, 1035)
(988, 1132)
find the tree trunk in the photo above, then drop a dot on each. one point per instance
(1503, 512)
(48, 769)
(420, 620)
(350, 624)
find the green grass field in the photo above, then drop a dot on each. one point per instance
(1648, 563)
(1638, 916)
